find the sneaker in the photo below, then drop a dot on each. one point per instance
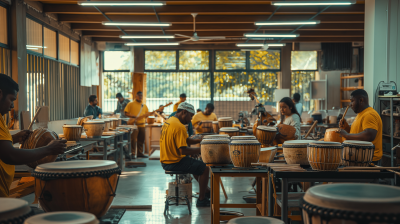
(203, 203)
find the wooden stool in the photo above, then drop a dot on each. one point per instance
(176, 197)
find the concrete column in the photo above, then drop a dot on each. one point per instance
(286, 71)
(138, 59)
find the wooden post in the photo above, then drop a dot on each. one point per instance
(286, 72)
(139, 84)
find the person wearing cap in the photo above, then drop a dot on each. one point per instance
(121, 104)
(174, 151)
(182, 98)
(207, 115)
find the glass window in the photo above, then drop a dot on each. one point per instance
(63, 47)
(263, 60)
(160, 60)
(304, 60)
(194, 60)
(74, 52)
(3, 25)
(117, 60)
(301, 81)
(50, 42)
(230, 60)
(113, 83)
(34, 36)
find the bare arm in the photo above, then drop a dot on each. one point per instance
(191, 141)
(367, 135)
(189, 151)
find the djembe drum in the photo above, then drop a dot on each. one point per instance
(351, 203)
(255, 220)
(244, 152)
(206, 127)
(267, 155)
(229, 131)
(295, 151)
(224, 136)
(94, 129)
(357, 153)
(324, 156)
(244, 137)
(225, 122)
(215, 126)
(72, 132)
(266, 135)
(215, 151)
(332, 135)
(86, 186)
(63, 218)
(14, 211)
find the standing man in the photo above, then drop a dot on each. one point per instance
(367, 126)
(92, 108)
(121, 104)
(182, 98)
(207, 115)
(174, 149)
(137, 109)
(297, 104)
(10, 156)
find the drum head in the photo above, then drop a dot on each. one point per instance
(11, 208)
(322, 143)
(215, 141)
(63, 217)
(298, 142)
(228, 129)
(255, 220)
(72, 126)
(360, 143)
(76, 166)
(243, 142)
(216, 136)
(266, 128)
(268, 149)
(247, 137)
(332, 129)
(225, 119)
(94, 122)
(215, 122)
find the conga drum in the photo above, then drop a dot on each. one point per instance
(107, 124)
(331, 135)
(215, 151)
(80, 185)
(115, 122)
(266, 135)
(72, 132)
(151, 119)
(14, 211)
(224, 136)
(39, 138)
(63, 218)
(206, 127)
(225, 122)
(244, 137)
(94, 129)
(295, 151)
(324, 156)
(357, 153)
(244, 152)
(215, 126)
(229, 131)
(267, 155)
(351, 203)
(255, 220)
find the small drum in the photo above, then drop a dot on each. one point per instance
(351, 203)
(115, 122)
(151, 119)
(80, 185)
(267, 155)
(225, 122)
(244, 152)
(63, 218)
(224, 136)
(332, 119)
(13, 210)
(295, 151)
(265, 135)
(215, 126)
(331, 135)
(357, 153)
(245, 137)
(72, 132)
(206, 127)
(324, 156)
(39, 138)
(215, 151)
(94, 128)
(229, 131)
(255, 220)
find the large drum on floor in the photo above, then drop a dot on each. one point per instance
(229, 131)
(94, 129)
(224, 136)
(72, 132)
(351, 203)
(63, 218)
(244, 152)
(266, 135)
(206, 127)
(225, 122)
(14, 211)
(267, 155)
(244, 137)
(39, 138)
(295, 151)
(331, 135)
(215, 151)
(324, 156)
(215, 126)
(86, 185)
(357, 153)
(255, 220)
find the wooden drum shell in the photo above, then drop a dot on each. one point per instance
(230, 132)
(150, 120)
(94, 129)
(324, 157)
(215, 126)
(72, 133)
(243, 155)
(206, 127)
(296, 155)
(332, 136)
(265, 137)
(356, 155)
(216, 153)
(225, 123)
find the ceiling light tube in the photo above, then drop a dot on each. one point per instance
(151, 44)
(249, 45)
(34, 46)
(286, 23)
(134, 24)
(276, 45)
(149, 36)
(309, 3)
(260, 45)
(117, 3)
(270, 35)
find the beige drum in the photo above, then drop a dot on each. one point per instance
(63, 218)
(224, 136)
(72, 132)
(215, 151)
(332, 135)
(115, 122)
(255, 220)
(244, 137)
(206, 126)
(324, 156)
(332, 119)
(357, 153)
(94, 128)
(266, 135)
(229, 131)
(14, 211)
(215, 126)
(225, 122)
(244, 152)
(107, 124)
(351, 203)
(295, 151)
(267, 155)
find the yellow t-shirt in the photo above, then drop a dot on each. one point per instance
(176, 106)
(201, 117)
(369, 118)
(173, 137)
(6, 171)
(134, 108)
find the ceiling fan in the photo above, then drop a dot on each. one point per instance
(262, 48)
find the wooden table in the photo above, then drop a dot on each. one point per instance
(83, 147)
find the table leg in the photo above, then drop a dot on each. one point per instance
(129, 142)
(258, 193)
(216, 198)
(284, 208)
(223, 189)
(105, 150)
(87, 155)
(270, 197)
(263, 195)
(212, 196)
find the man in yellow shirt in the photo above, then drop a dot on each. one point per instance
(10, 156)
(136, 109)
(174, 149)
(207, 115)
(182, 98)
(367, 126)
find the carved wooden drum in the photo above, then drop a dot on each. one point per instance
(215, 126)
(295, 151)
(331, 135)
(244, 152)
(215, 151)
(72, 132)
(357, 153)
(94, 128)
(324, 156)
(225, 122)
(267, 155)
(206, 127)
(244, 137)
(265, 135)
(229, 131)
(222, 136)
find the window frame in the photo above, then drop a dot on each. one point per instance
(104, 64)
(7, 7)
(316, 70)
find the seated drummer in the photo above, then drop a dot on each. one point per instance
(92, 108)
(207, 115)
(290, 116)
(10, 156)
(174, 149)
(367, 126)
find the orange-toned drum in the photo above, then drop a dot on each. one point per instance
(215, 126)
(244, 152)
(229, 131)
(87, 185)
(267, 155)
(72, 132)
(324, 156)
(357, 153)
(331, 135)
(63, 218)
(265, 135)
(224, 136)
(351, 203)
(295, 151)
(285, 133)
(215, 151)
(206, 126)
(225, 122)
(107, 124)
(94, 128)
(15, 211)
(150, 120)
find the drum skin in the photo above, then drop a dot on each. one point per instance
(215, 151)
(230, 132)
(14, 210)
(72, 133)
(242, 154)
(285, 133)
(324, 157)
(265, 137)
(332, 136)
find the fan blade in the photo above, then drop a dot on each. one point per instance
(183, 35)
(213, 38)
(185, 40)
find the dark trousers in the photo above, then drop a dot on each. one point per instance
(138, 137)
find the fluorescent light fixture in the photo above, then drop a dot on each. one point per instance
(151, 44)
(134, 24)
(313, 3)
(270, 35)
(149, 36)
(276, 45)
(261, 45)
(34, 46)
(286, 23)
(117, 3)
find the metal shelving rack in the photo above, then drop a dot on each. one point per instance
(344, 88)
